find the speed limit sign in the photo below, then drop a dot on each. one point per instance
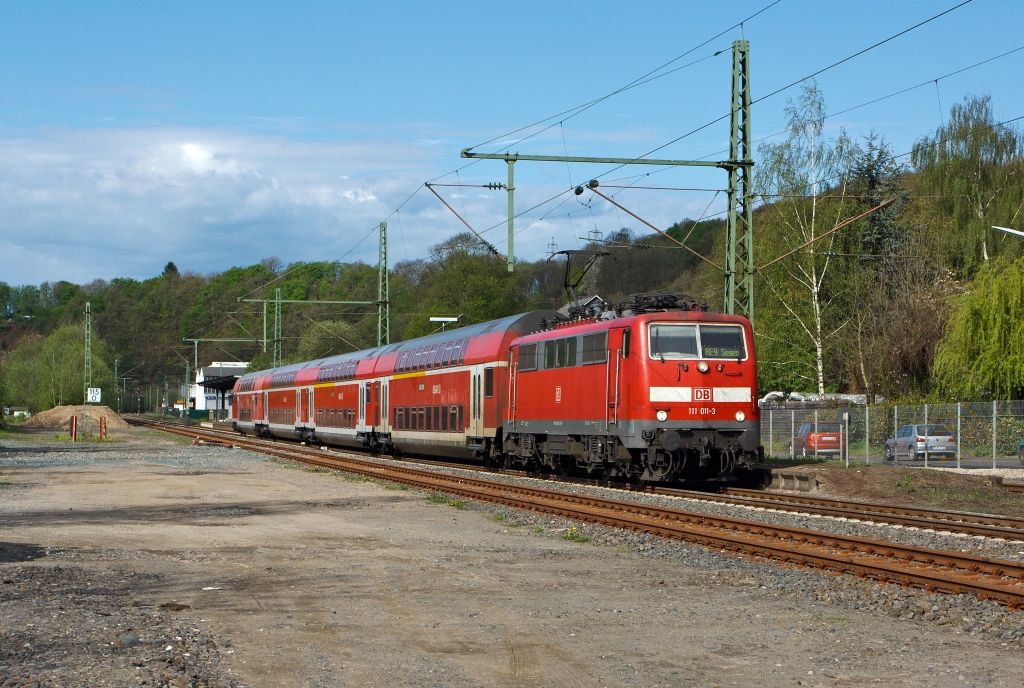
(94, 395)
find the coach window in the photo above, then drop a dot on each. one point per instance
(595, 348)
(434, 359)
(459, 423)
(430, 418)
(489, 382)
(401, 362)
(444, 418)
(465, 348)
(528, 357)
(455, 354)
(549, 355)
(447, 354)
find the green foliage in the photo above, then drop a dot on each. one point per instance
(974, 170)
(327, 338)
(43, 372)
(981, 355)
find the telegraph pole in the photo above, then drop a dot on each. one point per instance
(739, 268)
(383, 299)
(88, 352)
(278, 339)
(739, 242)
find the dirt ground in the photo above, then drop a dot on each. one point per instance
(318, 580)
(915, 486)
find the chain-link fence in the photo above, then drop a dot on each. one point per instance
(980, 434)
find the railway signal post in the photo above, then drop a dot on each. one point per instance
(739, 265)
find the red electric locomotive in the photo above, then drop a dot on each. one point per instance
(657, 390)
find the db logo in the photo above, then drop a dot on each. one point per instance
(701, 394)
(558, 395)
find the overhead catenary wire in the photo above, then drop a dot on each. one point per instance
(793, 83)
(633, 83)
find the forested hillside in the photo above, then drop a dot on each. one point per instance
(917, 298)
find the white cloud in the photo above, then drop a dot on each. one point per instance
(79, 205)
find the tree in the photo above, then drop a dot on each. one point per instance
(326, 338)
(804, 179)
(170, 270)
(973, 169)
(43, 372)
(981, 353)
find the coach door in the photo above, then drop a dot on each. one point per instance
(475, 422)
(263, 411)
(618, 349)
(307, 405)
(376, 404)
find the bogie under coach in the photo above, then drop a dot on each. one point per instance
(657, 390)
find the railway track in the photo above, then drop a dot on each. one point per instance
(929, 569)
(956, 522)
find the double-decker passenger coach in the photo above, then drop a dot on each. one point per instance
(658, 389)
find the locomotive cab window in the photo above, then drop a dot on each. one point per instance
(679, 341)
(722, 341)
(672, 341)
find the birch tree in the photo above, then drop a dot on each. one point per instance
(803, 181)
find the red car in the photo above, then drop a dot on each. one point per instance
(826, 439)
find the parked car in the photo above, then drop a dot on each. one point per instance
(911, 440)
(826, 439)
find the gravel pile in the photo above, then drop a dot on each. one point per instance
(71, 627)
(59, 417)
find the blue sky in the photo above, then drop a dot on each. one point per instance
(216, 134)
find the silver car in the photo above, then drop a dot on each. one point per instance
(911, 441)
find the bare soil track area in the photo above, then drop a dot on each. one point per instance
(917, 486)
(312, 579)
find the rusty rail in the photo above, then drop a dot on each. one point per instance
(929, 569)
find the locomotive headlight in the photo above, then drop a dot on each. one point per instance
(663, 416)
(740, 415)
(703, 366)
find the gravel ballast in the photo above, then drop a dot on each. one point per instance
(305, 573)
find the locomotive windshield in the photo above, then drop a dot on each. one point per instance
(675, 341)
(721, 341)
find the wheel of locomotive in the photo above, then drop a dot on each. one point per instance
(565, 465)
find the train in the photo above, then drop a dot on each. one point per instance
(654, 389)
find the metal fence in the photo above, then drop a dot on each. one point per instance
(988, 434)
